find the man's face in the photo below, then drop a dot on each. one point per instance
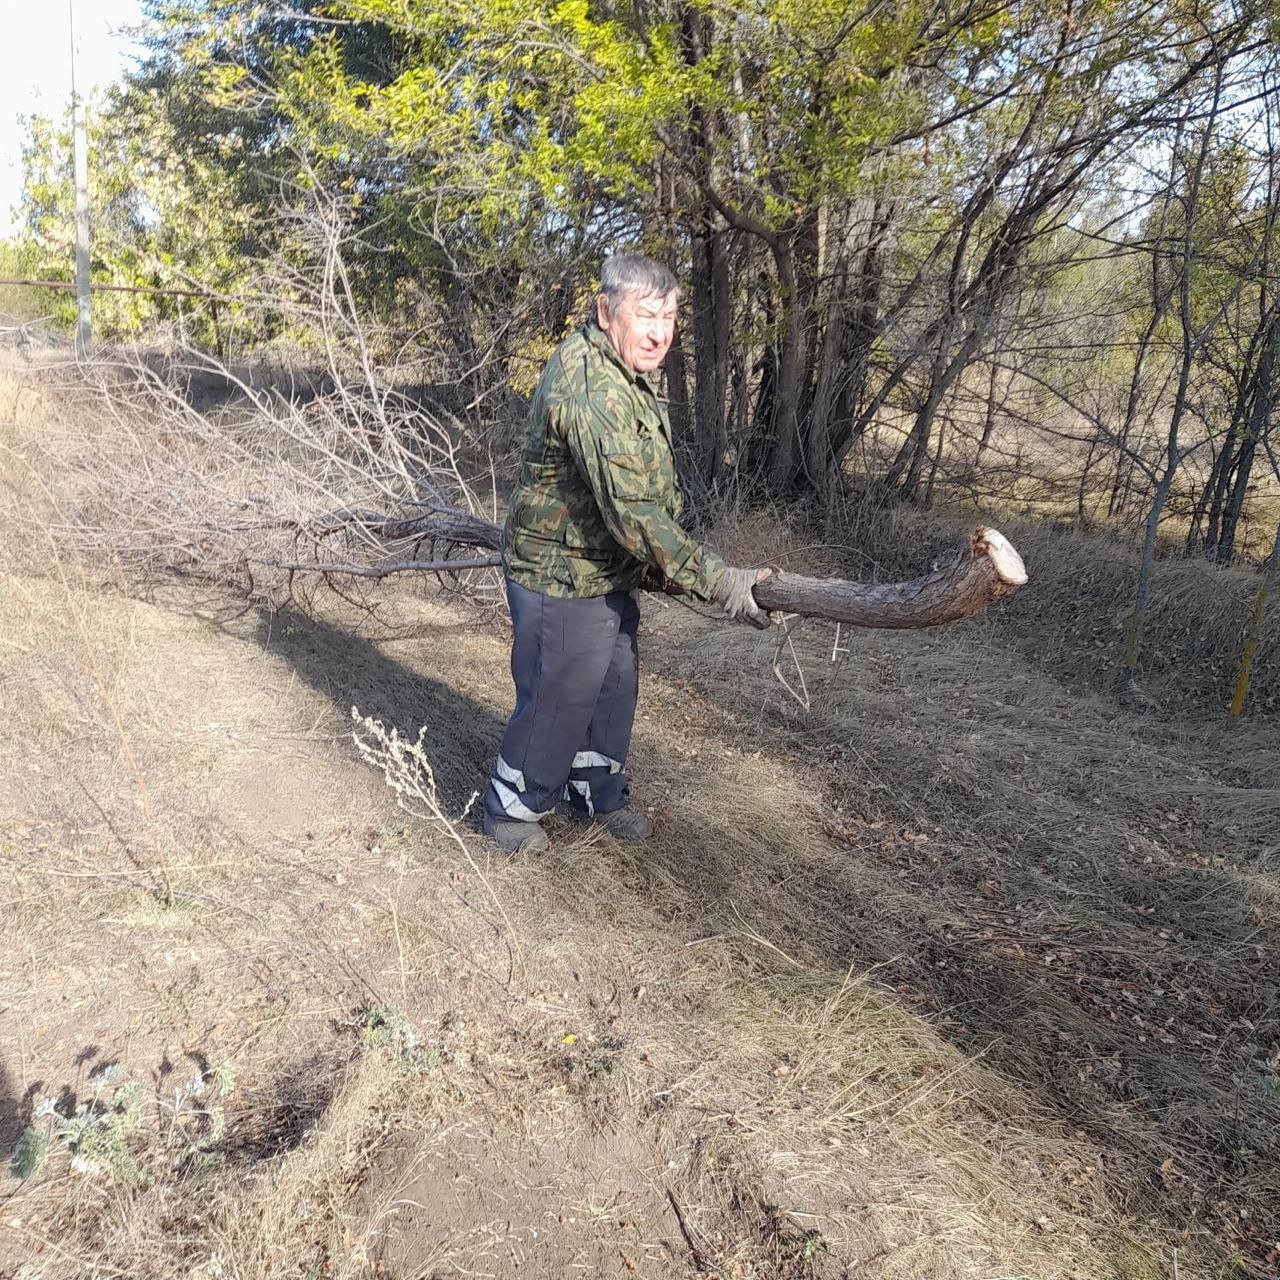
(639, 328)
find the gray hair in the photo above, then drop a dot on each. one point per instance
(625, 273)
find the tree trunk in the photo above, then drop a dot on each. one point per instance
(832, 373)
(1190, 342)
(989, 421)
(1259, 426)
(683, 434)
(1225, 547)
(710, 300)
(1215, 491)
(934, 465)
(709, 295)
(862, 330)
(1160, 300)
(904, 473)
(1137, 620)
(1082, 489)
(786, 414)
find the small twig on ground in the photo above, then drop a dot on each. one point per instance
(395, 929)
(695, 1249)
(835, 644)
(749, 933)
(785, 638)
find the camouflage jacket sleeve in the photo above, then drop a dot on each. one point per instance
(624, 475)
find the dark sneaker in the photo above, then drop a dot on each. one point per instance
(626, 824)
(515, 837)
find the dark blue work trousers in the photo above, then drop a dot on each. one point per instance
(576, 672)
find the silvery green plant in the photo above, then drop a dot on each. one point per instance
(387, 1028)
(199, 1118)
(95, 1135)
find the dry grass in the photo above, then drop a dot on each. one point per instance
(1088, 898)
(959, 975)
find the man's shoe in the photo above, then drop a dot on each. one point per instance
(515, 837)
(626, 824)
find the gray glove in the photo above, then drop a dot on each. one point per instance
(733, 594)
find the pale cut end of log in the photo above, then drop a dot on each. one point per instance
(987, 570)
(1005, 559)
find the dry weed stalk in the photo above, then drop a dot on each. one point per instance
(407, 770)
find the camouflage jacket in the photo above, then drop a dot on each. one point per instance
(597, 501)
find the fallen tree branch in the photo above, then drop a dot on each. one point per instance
(986, 571)
(386, 570)
(443, 524)
(340, 486)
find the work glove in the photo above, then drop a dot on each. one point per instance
(733, 594)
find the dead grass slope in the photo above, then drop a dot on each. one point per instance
(1087, 899)
(687, 1026)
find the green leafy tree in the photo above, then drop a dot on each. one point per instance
(160, 217)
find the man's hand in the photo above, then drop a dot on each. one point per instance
(654, 582)
(734, 596)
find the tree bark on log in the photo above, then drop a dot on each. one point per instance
(986, 571)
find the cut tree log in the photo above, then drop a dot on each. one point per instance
(987, 570)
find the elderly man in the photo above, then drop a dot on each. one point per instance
(596, 509)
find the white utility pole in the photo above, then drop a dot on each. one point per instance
(80, 163)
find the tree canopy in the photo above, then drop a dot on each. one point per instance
(934, 245)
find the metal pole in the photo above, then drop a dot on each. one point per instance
(80, 164)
